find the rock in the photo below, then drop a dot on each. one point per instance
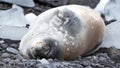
(5, 55)
(14, 45)
(12, 50)
(54, 2)
(4, 46)
(114, 54)
(6, 60)
(2, 41)
(1, 48)
(43, 61)
(91, 3)
(102, 59)
(88, 67)
(86, 63)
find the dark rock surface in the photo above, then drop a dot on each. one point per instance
(54, 2)
(114, 54)
(10, 57)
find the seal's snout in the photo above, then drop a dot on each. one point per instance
(41, 52)
(49, 50)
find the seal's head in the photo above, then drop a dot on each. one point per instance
(47, 48)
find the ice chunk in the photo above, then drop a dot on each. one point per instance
(109, 8)
(27, 3)
(12, 32)
(13, 17)
(13, 23)
(101, 5)
(112, 10)
(112, 35)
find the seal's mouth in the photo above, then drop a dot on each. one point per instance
(49, 50)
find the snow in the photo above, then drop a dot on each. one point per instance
(27, 3)
(112, 34)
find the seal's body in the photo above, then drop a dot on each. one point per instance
(64, 32)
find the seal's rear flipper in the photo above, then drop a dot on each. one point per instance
(107, 22)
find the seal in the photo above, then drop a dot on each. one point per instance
(65, 32)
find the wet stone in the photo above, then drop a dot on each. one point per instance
(6, 60)
(102, 58)
(12, 50)
(114, 54)
(43, 61)
(14, 45)
(88, 67)
(1, 48)
(2, 41)
(5, 55)
(90, 3)
(4, 46)
(86, 63)
(54, 2)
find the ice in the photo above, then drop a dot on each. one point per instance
(112, 34)
(27, 3)
(13, 23)
(101, 5)
(112, 10)
(13, 17)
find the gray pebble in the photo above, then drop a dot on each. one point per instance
(14, 45)
(54, 2)
(4, 46)
(1, 48)
(102, 58)
(86, 63)
(2, 41)
(88, 67)
(38, 65)
(12, 50)
(43, 61)
(5, 55)
(6, 60)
